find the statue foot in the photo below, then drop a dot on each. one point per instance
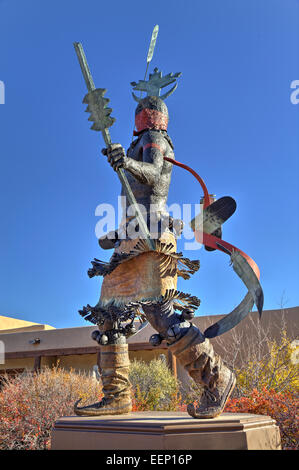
(212, 402)
(104, 407)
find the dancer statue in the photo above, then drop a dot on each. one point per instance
(140, 280)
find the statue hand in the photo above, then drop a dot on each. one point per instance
(116, 156)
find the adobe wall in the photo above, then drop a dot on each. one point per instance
(249, 330)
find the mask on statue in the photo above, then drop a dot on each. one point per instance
(151, 113)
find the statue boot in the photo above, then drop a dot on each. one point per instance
(196, 354)
(114, 363)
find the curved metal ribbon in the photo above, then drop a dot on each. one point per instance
(243, 265)
(249, 273)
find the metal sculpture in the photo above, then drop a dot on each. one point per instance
(141, 277)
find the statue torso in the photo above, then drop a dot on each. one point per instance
(151, 194)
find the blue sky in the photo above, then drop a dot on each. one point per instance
(231, 119)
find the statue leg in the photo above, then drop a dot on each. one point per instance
(114, 369)
(196, 354)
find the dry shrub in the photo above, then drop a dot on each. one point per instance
(276, 370)
(283, 407)
(30, 404)
(261, 361)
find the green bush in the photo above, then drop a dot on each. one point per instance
(154, 386)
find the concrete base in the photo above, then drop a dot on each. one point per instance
(166, 430)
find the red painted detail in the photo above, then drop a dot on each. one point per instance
(152, 144)
(207, 199)
(211, 241)
(151, 119)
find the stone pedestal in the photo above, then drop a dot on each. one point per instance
(166, 431)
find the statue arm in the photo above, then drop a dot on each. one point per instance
(148, 171)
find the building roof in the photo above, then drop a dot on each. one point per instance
(14, 325)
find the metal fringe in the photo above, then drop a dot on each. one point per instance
(172, 263)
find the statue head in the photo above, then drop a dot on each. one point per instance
(151, 113)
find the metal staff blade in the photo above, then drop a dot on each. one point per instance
(100, 115)
(152, 44)
(149, 57)
(151, 49)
